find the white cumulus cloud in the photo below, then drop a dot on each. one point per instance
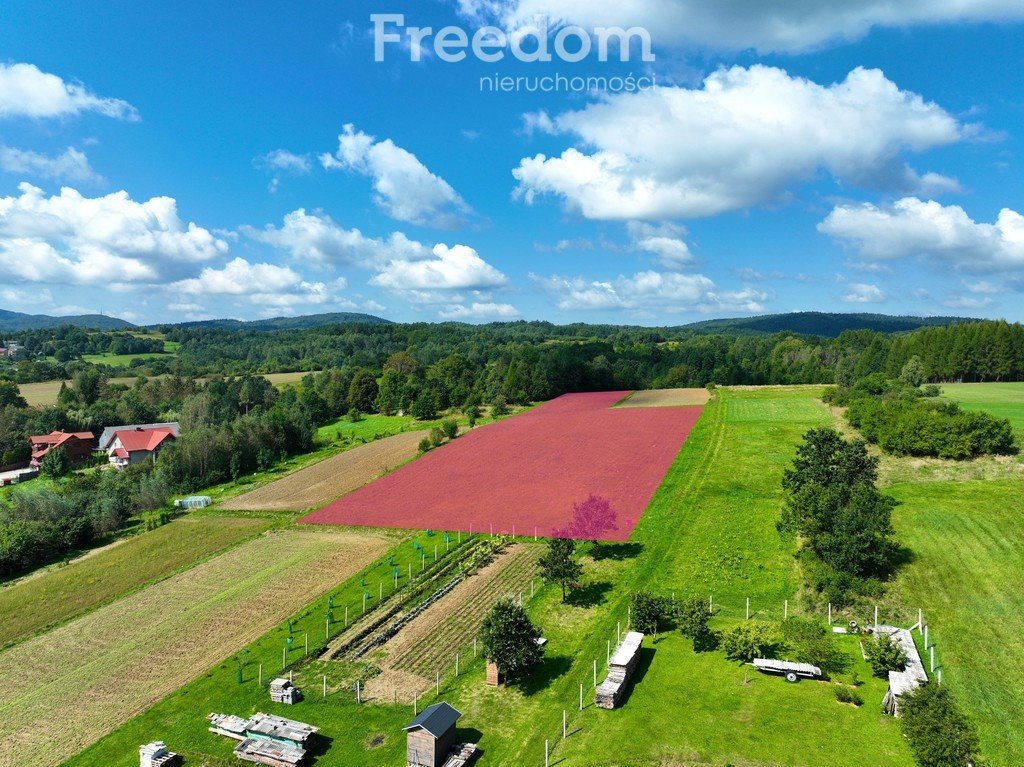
(73, 239)
(479, 311)
(316, 237)
(405, 189)
(26, 91)
(70, 165)
(669, 292)
(260, 284)
(861, 293)
(664, 241)
(283, 160)
(458, 267)
(942, 233)
(789, 25)
(743, 139)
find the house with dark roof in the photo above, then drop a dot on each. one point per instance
(77, 446)
(132, 446)
(430, 737)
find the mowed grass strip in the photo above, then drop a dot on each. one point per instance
(327, 480)
(61, 593)
(67, 688)
(666, 398)
(968, 546)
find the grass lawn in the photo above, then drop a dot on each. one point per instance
(45, 393)
(63, 592)
(709, 528)
(1005, 400)
(121, 360)
(968, 544)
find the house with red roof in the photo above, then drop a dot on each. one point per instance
(77, 446)
(130, 446)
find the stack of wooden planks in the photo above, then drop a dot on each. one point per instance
(620, 668)
(460, 755)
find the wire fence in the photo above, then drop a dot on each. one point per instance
(558, 726)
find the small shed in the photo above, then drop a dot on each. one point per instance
(620, 668)
(913, 674)
(283, 691)
(431, 736)
(155, 754)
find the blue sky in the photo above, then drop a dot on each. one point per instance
(172, 163)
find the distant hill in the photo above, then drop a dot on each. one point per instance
(289, 323)
(828, 325)
(11, 322)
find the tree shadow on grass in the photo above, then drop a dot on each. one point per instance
(470, 735)
(552, 667)
(643, 665)
(591, 595)
(616, 551)
(318, 745)
(707, 642)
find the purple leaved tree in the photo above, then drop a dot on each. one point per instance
(591, 519)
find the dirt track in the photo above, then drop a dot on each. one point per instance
(330, 479)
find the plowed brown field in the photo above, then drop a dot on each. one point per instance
(323, 482)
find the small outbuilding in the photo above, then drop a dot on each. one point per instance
(430, 739)
(913, 674)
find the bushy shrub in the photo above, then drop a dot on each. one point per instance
(692, 618)
(845, 695)
(753, 639)
(450, 428)
(425, 445)
(810, 642)
(647, 612)
(885, 655)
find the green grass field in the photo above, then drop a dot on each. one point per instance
(62, 592)
(1005, 400)
(968, 545)
(710, 528)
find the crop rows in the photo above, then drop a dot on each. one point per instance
(459, 616)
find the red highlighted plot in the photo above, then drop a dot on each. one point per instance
(524, 474)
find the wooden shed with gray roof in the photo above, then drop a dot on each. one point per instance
(430, 737)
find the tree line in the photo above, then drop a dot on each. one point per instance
(538, 360)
